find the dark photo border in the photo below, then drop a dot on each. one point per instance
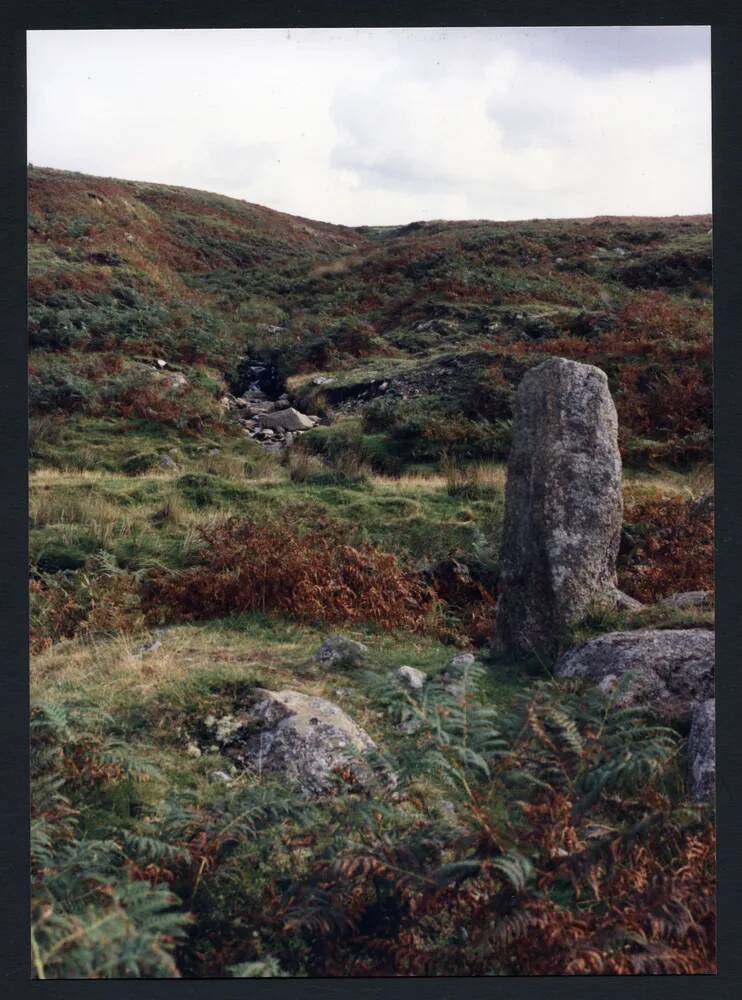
(16, 17)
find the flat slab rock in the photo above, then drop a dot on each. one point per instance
(689, 599)
(702, 751)
(287, 420)
(664, 671)
(300, 736)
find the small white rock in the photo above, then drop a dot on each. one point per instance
(411, 678)
(462, 660)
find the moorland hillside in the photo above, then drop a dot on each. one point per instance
(267, 461)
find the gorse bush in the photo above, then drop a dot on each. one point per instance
(317, 575)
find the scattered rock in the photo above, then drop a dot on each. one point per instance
(175, 381)
(702, 751)
(624, 602)
(150, 647)
(453, 679)
(193, 750)
(167, 463)
(461, 660)
(338, 651)
(217, 777)
(303, 737)
(411, 678)
(258, 409)
(453, 684)
(288, 420)
(563, 505)
(409, 727)
(663, 671)
(689, 599)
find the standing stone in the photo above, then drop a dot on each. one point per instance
(563, 506)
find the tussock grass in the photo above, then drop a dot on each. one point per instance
(114, 673)
(302, 466)
(693, 482)
(474, 480)
(410, 482)
(68, 510)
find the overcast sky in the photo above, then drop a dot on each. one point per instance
(387, 125)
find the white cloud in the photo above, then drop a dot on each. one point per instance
(387, 125)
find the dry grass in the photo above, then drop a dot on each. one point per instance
(61, 477)
(115, 675)
(302, 466)
(105, 521)
(694, 483)
(112, 671)
(475, 479)
(481, 477)
(267, 469)
(409, 483)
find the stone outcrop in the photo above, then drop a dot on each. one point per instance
(664, 671)
(563, 506)
(271, 423)
(702, 751)
(689, 599)
(454, 676)
(287, 420)
(411, 678)
(339, 651)
(299, 736)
